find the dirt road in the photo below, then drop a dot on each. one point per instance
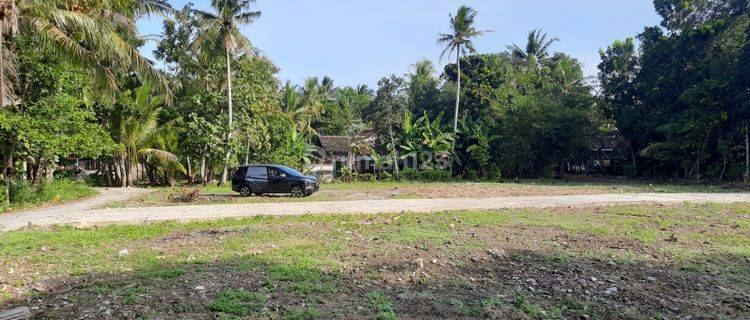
(82, 213)
(66, 211)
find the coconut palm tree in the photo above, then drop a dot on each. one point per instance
(138, 126)
(88, 33)
(8, 28)
(459, 41)
(302, 105)
(220, 30)
(536, 50)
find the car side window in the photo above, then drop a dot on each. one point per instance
(274, 172)
(257, 173)
(239, 173)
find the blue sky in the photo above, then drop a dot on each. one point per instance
(360, 41)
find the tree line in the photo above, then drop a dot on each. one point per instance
(73, 84)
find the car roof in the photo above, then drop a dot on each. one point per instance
(260, 165)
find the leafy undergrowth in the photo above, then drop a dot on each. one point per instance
(618, 262)
(23, 195)
(406, 190)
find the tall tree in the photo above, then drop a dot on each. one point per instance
(94, 34)
(536, 50)
(220, 30)
(459, 41)
(386, 112)
(8, 28)
(424, 90)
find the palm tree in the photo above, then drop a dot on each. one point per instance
(459, 41)
(537, 48)
(303, 105)
(220, 30)
(138, 126)
(88, 33)
(8, 28)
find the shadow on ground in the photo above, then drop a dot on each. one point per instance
(517, 284)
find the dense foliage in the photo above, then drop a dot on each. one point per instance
(680, 97)
(683, 97)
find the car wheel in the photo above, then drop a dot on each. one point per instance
(245, 191)
(297, 192)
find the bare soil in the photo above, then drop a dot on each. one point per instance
(507, 272)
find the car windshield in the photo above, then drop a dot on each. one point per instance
(291, 171)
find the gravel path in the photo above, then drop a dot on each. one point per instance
(83, 212)
(67, 212)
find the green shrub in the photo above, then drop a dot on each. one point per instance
(347, 174)
(21, 192)
(2, 196)
(494, 173)
(435, 175)
(549, 171)
(386, 176)
(367, 177)
(425, 175)
(23, 195)
(410, 174)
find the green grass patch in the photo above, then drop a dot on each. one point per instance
(238, 302)
(23, 195)
(164, 274)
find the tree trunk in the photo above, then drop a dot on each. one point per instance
(225, 172)
(395, 153)
(723, 168)
(635, 167)
(8, 173)
(203, 170)
(105, 170)
(37, 173)
(49, 172)
(747, 153)
(189, 169)
(247, 152)
(458, 87)
(122, 171)
(2, 72)
(25, 167)
(9, 169)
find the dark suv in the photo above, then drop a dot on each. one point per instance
(271, 178)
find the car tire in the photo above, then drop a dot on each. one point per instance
(297, 192)
(245, 191)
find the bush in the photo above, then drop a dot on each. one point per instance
(410, 174)
(386, 176)
(367, 177)
(22, 192)
(426, 175)
(2, 196)
(435, 175)
(23, 195)
(494, 173)
(347, 174)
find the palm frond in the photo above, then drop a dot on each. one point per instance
(247, 17)
(58, 41)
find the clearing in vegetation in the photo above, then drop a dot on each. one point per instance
(633, 261)
(404, 190)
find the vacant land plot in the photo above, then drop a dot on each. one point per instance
(403, 190)
(620, 262)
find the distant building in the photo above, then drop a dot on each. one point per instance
(339, 151)
(609, 153)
